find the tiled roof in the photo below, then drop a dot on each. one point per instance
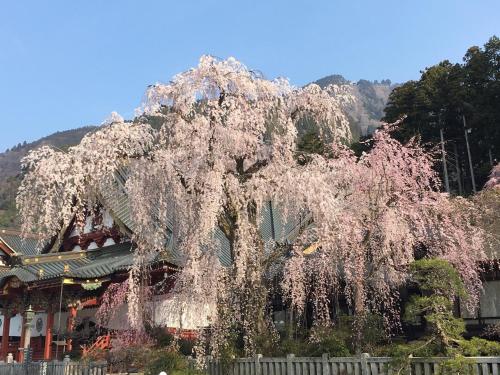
(97, 263)
(116, 199)
(225, 249)
(22, 274)
(77, 264)
(21, 245)
(56, 268)
(110, 260)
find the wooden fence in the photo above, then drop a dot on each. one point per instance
(362, 365)
(53, 368)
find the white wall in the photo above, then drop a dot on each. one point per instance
(167, 313)
(119, 320)
(490, 300)
(489, 303)
(170, 312)
(15, 325)
(39, 325)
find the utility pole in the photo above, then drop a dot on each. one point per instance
(443, 158)
(458, 168)
(470, 157)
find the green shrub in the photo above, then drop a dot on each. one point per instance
(477, 347)
(372, 332)
(438, 284)
(417, 348)
(295, 346)
(124, 359)
(438, 277)
(327, 340)
(458, 365)
(166, 360)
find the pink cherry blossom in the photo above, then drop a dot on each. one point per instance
(494, 181)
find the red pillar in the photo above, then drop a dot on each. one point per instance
(47, 350)
(5, 335)
(70, 326)
(20, 356)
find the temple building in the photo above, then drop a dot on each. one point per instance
(63, 281)
(62, 287)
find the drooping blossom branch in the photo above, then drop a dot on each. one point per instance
(494, 180)
(113, 297)
(58, 185)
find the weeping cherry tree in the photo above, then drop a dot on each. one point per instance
(223, 143)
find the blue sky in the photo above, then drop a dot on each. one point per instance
(65, 64)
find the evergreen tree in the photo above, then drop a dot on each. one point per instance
(446, 94)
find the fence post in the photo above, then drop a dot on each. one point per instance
(324, 364)
(364, 364)
(408, 370)
(208, 360)
(257, 364)
(289, 364)
(66, 365)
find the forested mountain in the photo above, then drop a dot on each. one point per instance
(10, 167)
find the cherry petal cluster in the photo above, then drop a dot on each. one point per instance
(494, 180)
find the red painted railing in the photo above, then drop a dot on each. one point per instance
(102, 343)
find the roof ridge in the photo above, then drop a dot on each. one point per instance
(97, 253)
(46, 258)
(74, 254)
(18, 232)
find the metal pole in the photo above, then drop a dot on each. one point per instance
(469, 155)
(59, 318)
(443, 158)
(491, 157)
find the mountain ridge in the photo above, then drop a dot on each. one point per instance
(371, 98)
